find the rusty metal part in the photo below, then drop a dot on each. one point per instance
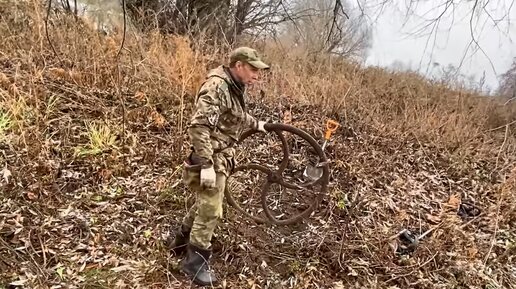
(314, 171)
(275, 176)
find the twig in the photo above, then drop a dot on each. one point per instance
(290, 18)
(43, 251)
(400, 276)
(119, 76)
(509, 100)
(493, 239)
(501, 147)
(338, 4)
(31, 256)
(340, 249)
(46, 30)
(5, 245)
(418, 237)
(411, 272)
(471, 221)
(125, 29)
(505, 125)
(76, 10)
(429, 230)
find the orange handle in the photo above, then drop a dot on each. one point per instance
(331, 127)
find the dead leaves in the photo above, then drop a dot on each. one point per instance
(31, 196)
(287, 117)
(140, 96)
(114, 230)
(433, 219)
(4, 80)
(148, 116)
(453, 202)
(58, 73)
(472, 252)
(158, 119)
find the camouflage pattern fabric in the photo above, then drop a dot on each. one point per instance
(220, 116)
(205, 214)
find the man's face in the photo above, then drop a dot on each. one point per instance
(246, 73)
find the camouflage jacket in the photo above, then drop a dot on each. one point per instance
(219, 118)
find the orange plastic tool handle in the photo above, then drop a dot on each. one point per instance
(331, 127)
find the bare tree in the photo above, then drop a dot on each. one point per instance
(229, 19)
(68, 6)
(191, 17)
(327, 27)
(226, 19)
(507, 88)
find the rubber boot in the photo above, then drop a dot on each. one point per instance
(178, 241)
(196, 266)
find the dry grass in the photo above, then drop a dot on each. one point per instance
(399, 103)
(91, 147)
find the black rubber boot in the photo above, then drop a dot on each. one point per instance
(196, 266)
(178, 241)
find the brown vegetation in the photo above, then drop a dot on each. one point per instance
(91, 147)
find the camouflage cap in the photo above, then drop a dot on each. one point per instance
(249, 55)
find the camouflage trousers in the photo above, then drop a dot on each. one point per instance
(207, 211)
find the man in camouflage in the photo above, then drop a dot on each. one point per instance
(220, 116)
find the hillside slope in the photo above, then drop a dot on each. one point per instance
(92, 145)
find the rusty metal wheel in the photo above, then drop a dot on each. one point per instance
(277, 177)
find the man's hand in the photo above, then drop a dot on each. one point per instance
(208, 177)
(261, 126)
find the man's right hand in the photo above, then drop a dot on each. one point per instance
(208, 177)
(261, 125)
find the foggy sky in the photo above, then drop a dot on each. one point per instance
(393, 42)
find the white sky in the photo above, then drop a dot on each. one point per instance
(392, 41)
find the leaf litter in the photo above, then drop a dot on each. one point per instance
(64, 223)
